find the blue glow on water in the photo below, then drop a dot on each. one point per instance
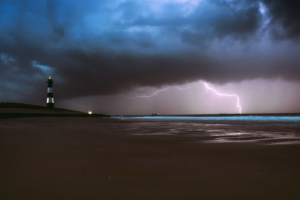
(216, 118)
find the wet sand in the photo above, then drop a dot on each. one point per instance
(95, 158)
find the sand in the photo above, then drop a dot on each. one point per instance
(96, 158)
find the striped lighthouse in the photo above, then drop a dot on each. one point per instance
(50, 98)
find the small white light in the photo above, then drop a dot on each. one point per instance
(90, 112)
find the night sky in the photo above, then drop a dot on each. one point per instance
(100, 53)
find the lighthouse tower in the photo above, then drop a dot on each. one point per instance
(50, 98)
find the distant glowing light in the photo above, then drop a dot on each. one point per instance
(162, 90)
(90, 112)
(226, 95)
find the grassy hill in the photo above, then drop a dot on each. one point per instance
(21, 110)
(29, 106)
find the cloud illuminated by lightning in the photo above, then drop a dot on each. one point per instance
(226, 95)
(162, 90)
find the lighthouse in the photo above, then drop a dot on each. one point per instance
(50, 98)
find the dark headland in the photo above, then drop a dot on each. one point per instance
(20, 110)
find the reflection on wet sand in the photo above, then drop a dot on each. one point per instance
(267, 130)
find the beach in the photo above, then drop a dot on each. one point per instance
(112, 158)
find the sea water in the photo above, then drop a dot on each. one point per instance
(275, 130)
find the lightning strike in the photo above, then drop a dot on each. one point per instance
(226, 95)
(181, 89)
(162, 90)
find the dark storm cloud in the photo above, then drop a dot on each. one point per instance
(107, 47)
(285, 18)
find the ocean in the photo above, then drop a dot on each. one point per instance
(270, 130)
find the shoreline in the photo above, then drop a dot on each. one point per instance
(214, 115)
(4, 115)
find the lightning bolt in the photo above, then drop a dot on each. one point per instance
(181, 89)
(162, 90)
(226, 95)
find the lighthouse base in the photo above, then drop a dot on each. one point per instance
(50, 105)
